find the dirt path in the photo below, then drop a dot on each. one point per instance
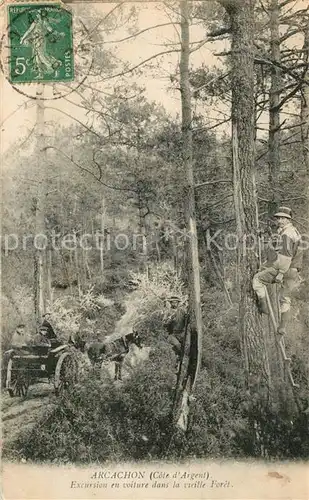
(20, 413)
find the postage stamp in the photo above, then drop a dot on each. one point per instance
(41, 43)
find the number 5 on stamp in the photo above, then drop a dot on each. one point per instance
(41, 43)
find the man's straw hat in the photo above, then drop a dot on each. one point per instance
(284, 212)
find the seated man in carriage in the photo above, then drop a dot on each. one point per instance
(47, 326)
(19, 339)
(46, 335)
(47, 338)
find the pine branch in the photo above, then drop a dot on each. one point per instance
(211, 127)
(294, 126)
(285, 2)
(125, 72)
(266, 61)
(287, 97)
(23, 105)
(76, 119)
(264, 8)
(107, 15)
(207, 183)
(218, 202)
(134, 34)
(287, 35)
(84, 169)
(285, 19)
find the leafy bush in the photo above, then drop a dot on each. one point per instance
(97, 422)
(100, 420)
(84, 314)
(147, 308)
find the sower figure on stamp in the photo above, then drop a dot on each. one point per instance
(36, 36)
(283, 270)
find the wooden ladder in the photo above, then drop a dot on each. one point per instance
(280, 341)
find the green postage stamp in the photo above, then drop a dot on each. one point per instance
(41, 43)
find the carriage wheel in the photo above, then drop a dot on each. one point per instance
(17, 381)
(66, 373)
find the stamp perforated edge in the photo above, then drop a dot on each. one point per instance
(4, 42)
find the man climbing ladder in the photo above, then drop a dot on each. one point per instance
(283, 270)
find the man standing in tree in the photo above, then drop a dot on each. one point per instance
(284, 269)
(176, 325)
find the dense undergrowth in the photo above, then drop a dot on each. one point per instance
(97, 422)
(100, 420)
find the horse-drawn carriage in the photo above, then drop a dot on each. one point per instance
(31, 364)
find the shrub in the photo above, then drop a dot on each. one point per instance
(147, 308)
(97, 422)
(92, 315)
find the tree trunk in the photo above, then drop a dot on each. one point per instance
(70, 274)
(49, 275)
(245, 198)
(304, 117)
(85, 250)
(195, 329)
(86, 265)
(304, 120)
(274, 138)
(143, 233)
(237, 198)
(102, 238)
(274, 110)
(40, 243)
(175, 254)
(77, 268)
(220, 278)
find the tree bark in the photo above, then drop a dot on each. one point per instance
(143, 233)
(274, 110)
(304, 116)
(87, 272)
(274, 138)
(102, 238)
(220, 278)
(70, 274)
(77, 268)
(195, 329)
(304, 120)
(49, 275)
(245, 197)
(39, 243)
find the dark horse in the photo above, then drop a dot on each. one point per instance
(77, 342)
(113, 350)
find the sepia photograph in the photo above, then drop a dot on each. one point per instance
(154, 249)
